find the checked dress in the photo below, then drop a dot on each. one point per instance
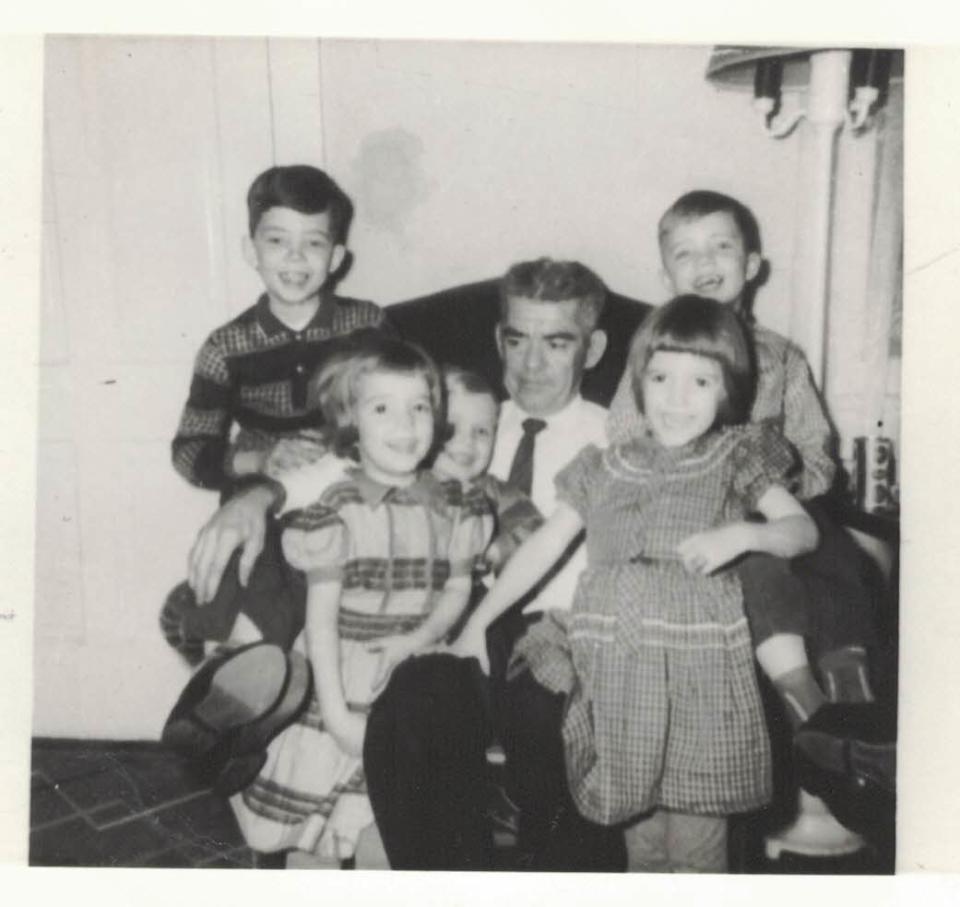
(394, 550)
(663, 707)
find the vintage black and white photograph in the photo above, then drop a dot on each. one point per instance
(468, 455)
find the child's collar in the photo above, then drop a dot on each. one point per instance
(272, 326)
(426, 489)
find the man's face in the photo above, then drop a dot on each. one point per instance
(706, 256)
(545, 349)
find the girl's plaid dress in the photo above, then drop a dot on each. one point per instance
(393, 550)
(663, 707)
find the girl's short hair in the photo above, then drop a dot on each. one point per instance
(334, 388)
(705, 327)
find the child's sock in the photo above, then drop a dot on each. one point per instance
(783, 658)
(801, 693)
(845, 675)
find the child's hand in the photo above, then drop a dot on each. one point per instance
(349, 731)
(708, 551)
(472, 643)
(392, 651)
(494, 557)
(292, 453)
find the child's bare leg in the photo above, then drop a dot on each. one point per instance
(696, 843)
(646, 843)
(783, 658)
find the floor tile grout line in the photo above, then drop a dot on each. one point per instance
(154, 809)
(227, 854)
(79, 812)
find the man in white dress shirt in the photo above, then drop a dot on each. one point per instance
(546, 344)
(547, 338)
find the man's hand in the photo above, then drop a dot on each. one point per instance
(239, 523)
(472, 643)
(708, 551)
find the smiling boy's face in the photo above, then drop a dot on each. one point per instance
(707, 256)
(294, 253)
(473, 420)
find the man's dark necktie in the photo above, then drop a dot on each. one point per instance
(521, 470)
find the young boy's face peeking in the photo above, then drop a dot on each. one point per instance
(473, 420)
(706, 256)
(294, 254)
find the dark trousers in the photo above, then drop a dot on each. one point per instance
(825, 596)
(274, 598)
(424, 760)
(552, 835)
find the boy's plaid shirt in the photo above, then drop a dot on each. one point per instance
(252, 373)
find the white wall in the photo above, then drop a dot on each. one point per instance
(149, 146)
(461, 158)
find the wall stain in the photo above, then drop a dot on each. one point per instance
(390, 178)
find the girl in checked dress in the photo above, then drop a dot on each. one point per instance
(663, 727)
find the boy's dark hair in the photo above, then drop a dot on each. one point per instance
(702, 202)
(469, 382)
(705, 327)
(547, 280)
(302, 188)
(455, 377)
(334, 387)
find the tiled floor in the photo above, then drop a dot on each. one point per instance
(133, 804)
(99, 804)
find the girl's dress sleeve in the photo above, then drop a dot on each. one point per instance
(316, 542)
(473, 526)
(575, 482)
(763, 458)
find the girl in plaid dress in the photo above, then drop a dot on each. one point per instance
(387, 552)
(664, 719)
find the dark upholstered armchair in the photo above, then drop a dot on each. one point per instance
(456, 327)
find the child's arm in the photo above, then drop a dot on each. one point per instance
(788, 532)
(806, 427)
(395, 649)
(323, 650)
(517, 518)
(531, 562)
(199, 448)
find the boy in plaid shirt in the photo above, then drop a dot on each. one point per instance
(249, 391)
